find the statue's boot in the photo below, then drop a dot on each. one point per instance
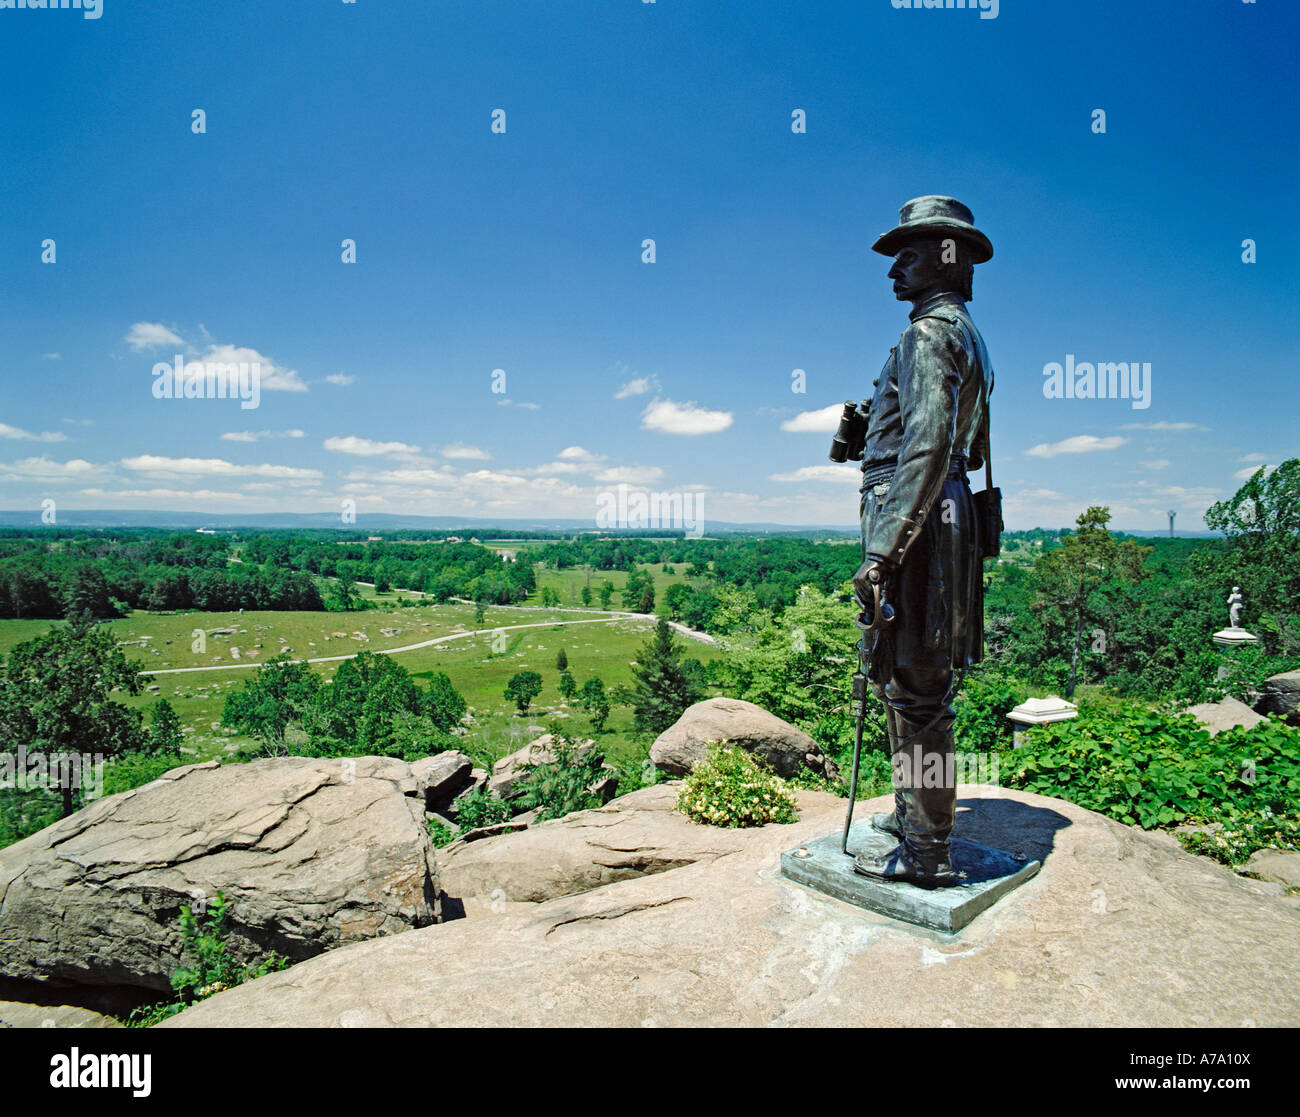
(929, 800)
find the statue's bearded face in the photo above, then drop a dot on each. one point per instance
(918, 268)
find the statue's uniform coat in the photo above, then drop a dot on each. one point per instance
(929, 422)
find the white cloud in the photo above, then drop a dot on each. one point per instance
(1159, 463)
(6, 431)
(630, 475)
(531, 406)
(44, 469)
(1163, 425)
(638, 387)
(254, 436)
(822, 421)
(368, 448)
(1250, 471)
(151, 335)
(1079, 444)
(80, 422)
(274, 378)
(51, 356)
(214, 467)
(342, 379)
(683, 418)
(1253, 458)
(838, 474)
(460, 452)
(578, 454)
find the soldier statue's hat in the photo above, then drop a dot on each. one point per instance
(935, 216)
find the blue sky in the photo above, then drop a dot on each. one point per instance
(522, 251)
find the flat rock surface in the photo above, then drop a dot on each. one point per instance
(1119, 928)
(311, 853)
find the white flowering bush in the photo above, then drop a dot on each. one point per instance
(730, 788)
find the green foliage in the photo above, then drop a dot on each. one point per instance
(985, 699)
(729, 788)
(665, 684)
(443, 703)
(135, 770)
(555, 788)
(440, 834)
(279, 693)
(209, 968)
(594, 699)
(56, 696)
(561, 661)
(523, 688)
(480, 807)
(165, 735)
(1244, 834)
(1153, 769)
(567, 685)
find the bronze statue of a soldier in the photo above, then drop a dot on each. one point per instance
(921, 581)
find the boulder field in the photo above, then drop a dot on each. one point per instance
(631, 915)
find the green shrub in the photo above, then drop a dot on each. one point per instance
(440, 834)
(211, 969)
(554, 788)
(1242, 835)
(1152, 769)
(480, 807)
(982, 707)
(729, 788)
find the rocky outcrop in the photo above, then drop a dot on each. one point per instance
(15, 1015)
(1227, 714)
(635, 836)
(1275, 865)
(441, 778)
(1120, 928)
(1280, 694)
(312, 854)
(784, 747)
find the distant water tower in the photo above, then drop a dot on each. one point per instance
(1172, 514)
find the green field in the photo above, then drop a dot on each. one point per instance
(158, 642)
(568, 583)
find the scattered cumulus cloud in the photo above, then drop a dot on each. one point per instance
(17, 433)
(822, 421)
(213, 467)
(668, 417)
(152, 335)
(368, 448)
(837, 474)
(459, 451)
(1079, 444)
(341, 379)
(638, 386)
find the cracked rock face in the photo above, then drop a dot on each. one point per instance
(311, 853)
(785, 748)
(638, 835)
(1120, 928)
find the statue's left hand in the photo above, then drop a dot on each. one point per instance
(875, 571)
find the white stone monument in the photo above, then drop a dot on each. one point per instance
(1234, 635)
(1040, 711)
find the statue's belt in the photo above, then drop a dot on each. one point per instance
(882, 473)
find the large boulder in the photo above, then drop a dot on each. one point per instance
(1280, 694)
(637, 835)
(1120, 928)
(311, 854)
(442, 777)
(1227, 714)
(784, 747)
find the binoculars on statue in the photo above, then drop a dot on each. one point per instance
(850, 437)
